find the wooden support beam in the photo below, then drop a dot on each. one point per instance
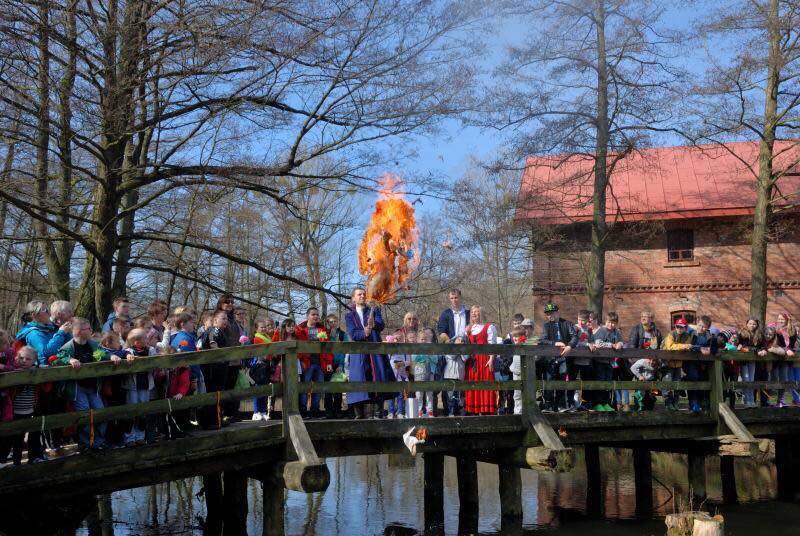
(594, 488)
(728, 475)
(434, 493)
(742, 443)
(234, 504)
(551, 455)
(697, 474)
(509, 480)
(717, 395)
(298, 476)
(468, 510)
(309, 474)
(787, 464)
(212, 489)
(274, 496)
(643, 479)
(299, 440)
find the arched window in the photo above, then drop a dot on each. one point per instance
(689, 316)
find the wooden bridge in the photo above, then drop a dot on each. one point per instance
(290, 453)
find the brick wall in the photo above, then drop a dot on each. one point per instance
(641, 278)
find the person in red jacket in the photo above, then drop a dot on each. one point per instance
(315, 366)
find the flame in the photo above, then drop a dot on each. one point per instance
(385, 255)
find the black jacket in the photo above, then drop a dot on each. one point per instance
(566, 330)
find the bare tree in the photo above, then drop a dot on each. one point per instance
(591, 83)
(755, 91)
(157, 99)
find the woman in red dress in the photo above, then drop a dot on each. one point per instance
(480, 367)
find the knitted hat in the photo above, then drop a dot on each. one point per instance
(550, 307)
(682, 322)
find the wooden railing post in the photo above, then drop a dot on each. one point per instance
(291, 389)
(528, 384)
(717, 394)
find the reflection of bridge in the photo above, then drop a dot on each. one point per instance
(287, 454)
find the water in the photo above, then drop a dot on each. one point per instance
(369, 493)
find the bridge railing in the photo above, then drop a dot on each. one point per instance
(291, 388)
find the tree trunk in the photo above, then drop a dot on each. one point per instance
(597, 261)
(765, 183)
(60, 280)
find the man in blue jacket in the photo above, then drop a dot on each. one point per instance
(454, 320)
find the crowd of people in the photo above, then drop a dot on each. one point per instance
(52, 336)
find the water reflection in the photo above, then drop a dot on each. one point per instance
(369, 493)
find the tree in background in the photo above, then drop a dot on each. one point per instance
(752, 88)
(592, 81)
(122, 115)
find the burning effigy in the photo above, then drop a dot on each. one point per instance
(386, 253)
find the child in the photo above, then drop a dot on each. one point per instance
(121, 326)
(677, 340)
(400, 365)
(260, 370)
(178, 386)
(23, 402)
(582, 367)
(751, 339)
(782, 370)
(607, 336)
(85, 393)
(644, 370)
(518, 336)
(727, 341)
(423, 371)
(771, 346)
(138, 388)
(705, 342)
(6, 352)
(113, 394)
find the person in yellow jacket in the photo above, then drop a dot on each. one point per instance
(678, 339)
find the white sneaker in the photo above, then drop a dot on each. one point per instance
(401, 416)
(390, 416)
(265, 416)
(256, 416)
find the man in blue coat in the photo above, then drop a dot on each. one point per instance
(364, 324)
(454, 320)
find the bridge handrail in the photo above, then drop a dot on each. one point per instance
(237, 353)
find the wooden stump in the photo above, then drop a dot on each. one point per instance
(694, 524)
(434, 493)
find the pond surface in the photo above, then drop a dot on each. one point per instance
(369, 493)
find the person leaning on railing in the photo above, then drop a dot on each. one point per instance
(751, 339)
(678, 339)
(610, 337)
(705, 342)
(561, 333)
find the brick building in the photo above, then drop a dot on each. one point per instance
(679, 221)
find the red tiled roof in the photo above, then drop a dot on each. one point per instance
(656, 184)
